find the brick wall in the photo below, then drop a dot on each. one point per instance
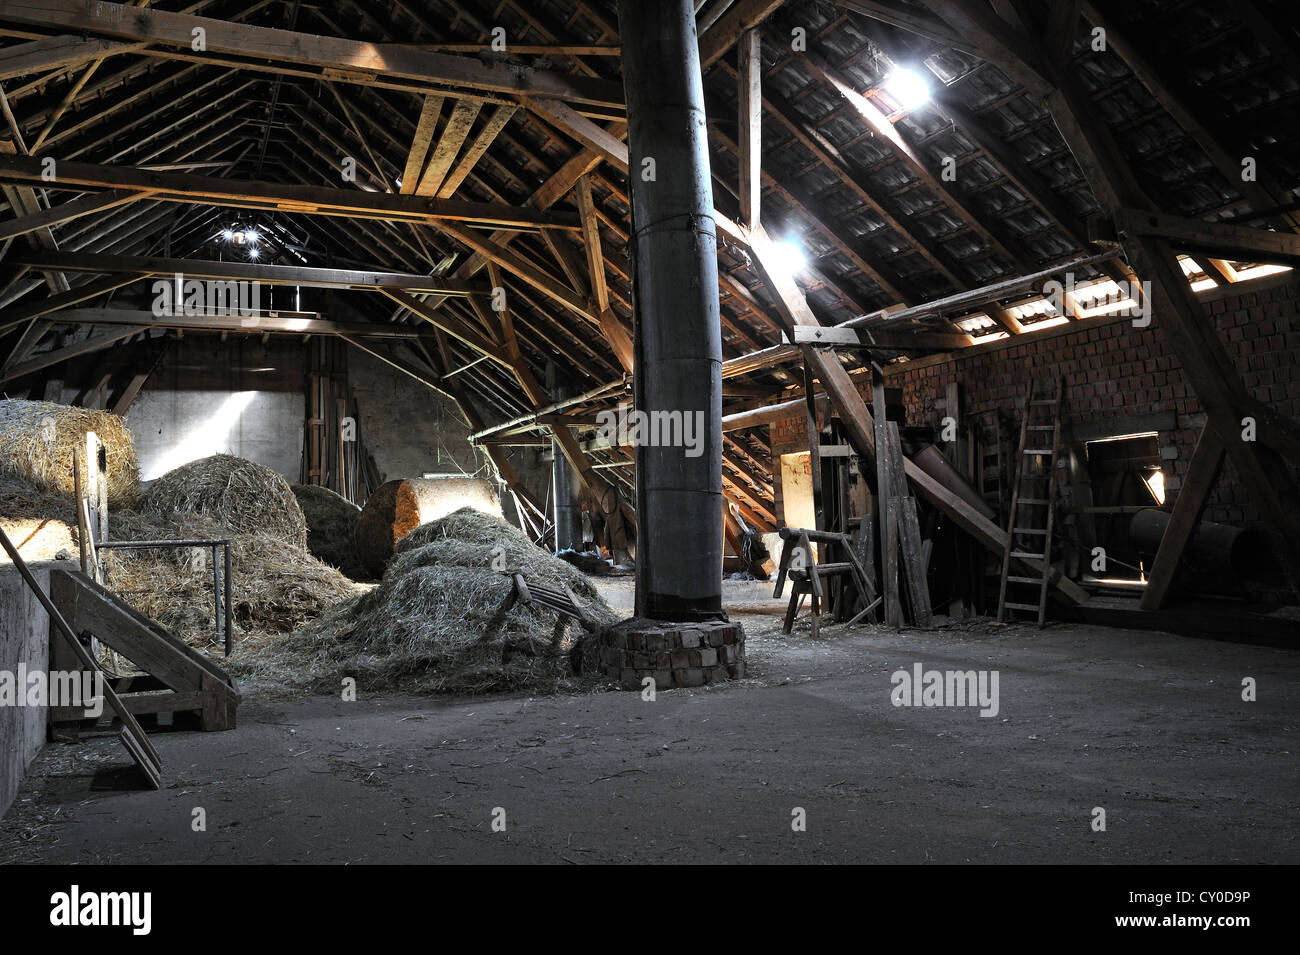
(1113, 370)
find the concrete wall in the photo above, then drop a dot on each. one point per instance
(24, 639)
(172, 428)
(238, 397)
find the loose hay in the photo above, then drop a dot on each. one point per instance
(246, 497)
(441, 621)
(331, 528)
(275, 589)
(398, 507)
(39, 438)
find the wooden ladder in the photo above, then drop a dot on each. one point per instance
(1026, 509)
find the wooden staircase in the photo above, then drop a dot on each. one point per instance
(178, 678)
(1033, 496)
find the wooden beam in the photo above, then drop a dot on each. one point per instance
(281, 323)
(350, 61)
(565, 118)
(83, 347)
(17, 314)
(54, 53)
(1202, 474)
(269, 274)
(412, 370)
(1218, 238)
(911, 20)
(457, 328)
(72, 209)
(741, 17)
(611, 326)
(304, 199)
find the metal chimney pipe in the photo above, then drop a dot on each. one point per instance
(678, 340)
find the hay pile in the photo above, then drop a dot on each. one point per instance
(276, 589)
(245, 497)
(441, 621)
(39, 438)
(331, 528)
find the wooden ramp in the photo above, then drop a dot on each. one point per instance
(179, 677)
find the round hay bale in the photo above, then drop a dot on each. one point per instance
(398, 507)
(39, 438)
(331, 528)
(244, 496)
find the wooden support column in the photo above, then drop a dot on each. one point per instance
(750, 97)
(793, 309)
(1202, 473)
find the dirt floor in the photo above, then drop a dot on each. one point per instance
(1150, 727)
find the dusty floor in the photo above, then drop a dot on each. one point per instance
(1150, 727)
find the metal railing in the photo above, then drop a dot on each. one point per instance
(220, 577)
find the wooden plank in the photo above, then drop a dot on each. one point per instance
(886, 501)
(430, 112)
(453, 137)
(910, 544)
(750, 102)
(98, 600)
(133, 736)
(496, 122)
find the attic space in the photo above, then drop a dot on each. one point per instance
(628, 432)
